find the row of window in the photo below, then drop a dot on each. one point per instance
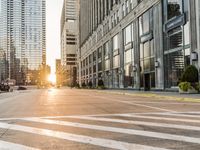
(176, 48)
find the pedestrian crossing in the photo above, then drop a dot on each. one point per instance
(130, 131)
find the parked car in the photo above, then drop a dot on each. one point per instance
(4, 87)
(21, 88)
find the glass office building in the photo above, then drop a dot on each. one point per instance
(138, 44)
(22, 39)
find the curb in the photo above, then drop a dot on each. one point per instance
(148, 95)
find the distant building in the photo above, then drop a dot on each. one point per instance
(69, 32)
(59, 72)
(22, 39)
(138, 44)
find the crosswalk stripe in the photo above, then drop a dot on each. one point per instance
(95, 115)
(168, 103)
(177, 115)
(12, 146)
(163, 125)
(80, 138)
(160, 118)
(121, 130)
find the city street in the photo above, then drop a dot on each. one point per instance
(92, 120)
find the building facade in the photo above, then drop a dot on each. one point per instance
(22, 39)
(138, 44)
(69, 35)
(58, 72)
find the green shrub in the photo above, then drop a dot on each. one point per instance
(83, 85)
(101, 87)
(190, 75)
(185, 86)
(90, 84)
(197, 87)
(77, 85)
(100, 83)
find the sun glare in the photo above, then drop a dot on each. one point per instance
(52, 78)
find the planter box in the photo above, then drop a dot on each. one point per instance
(190, 91)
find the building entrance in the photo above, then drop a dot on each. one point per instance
(147, 82)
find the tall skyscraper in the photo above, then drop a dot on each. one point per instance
(22, 39)
(69, 32)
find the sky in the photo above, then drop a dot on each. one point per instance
(53, 12)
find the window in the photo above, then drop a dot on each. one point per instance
(70, 20)
(144, 23)
(175, 38)
(174, 63)
(106, 49)
(116, 61)
(127, 35)
(127, 6)
(94, 56)
(99, 53)
(116, 42)
(174, 8)
(71, 43)
(123, 10)
(128, 56)
(146, 49)
(107, 64)
(71, 55)
(71, 59)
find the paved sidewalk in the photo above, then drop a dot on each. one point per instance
(160, 95)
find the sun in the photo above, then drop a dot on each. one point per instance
(52, 78)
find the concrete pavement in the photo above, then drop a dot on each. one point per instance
(94, 120)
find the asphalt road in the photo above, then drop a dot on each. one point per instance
(69, 119)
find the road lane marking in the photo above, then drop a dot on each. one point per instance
(162, 125)
(190, 114)
(124, 131)
(80, 138)
(160, 118)
(168, 103)
(12, 146)
(177, 115)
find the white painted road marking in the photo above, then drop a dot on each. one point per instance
(162, 125)
(80, 138)
(11, 146)
(176, 115)
(190, 114)
(160, 118)
(121, 130)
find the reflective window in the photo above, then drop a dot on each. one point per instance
(128, 78)
(175, 38)
(144, 23)
(100, 53)
(128, 56)
(174, 8)
(116, 61)
(174, 67)
(116, 42)
(25, 33)
(107, 64)
(128, 34)
(106, 49)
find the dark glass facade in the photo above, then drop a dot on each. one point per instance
(128, 56)
(23, 39)
(146, 45)
(147, 60)
(177, 45)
